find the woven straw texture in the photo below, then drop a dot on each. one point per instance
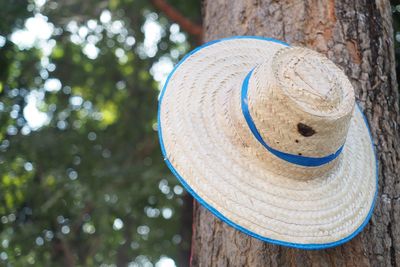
(208, 142)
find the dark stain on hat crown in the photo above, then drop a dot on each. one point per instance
(305, 130)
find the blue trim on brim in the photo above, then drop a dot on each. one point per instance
(216, 212)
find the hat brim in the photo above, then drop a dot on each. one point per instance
(226, 177)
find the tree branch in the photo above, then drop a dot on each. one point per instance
(63, 247)
(174, 15)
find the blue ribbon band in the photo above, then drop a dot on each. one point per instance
(295, 159)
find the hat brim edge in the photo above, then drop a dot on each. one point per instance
(308, 246)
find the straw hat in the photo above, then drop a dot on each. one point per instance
(269, 139)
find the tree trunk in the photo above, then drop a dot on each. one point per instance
(358, 36)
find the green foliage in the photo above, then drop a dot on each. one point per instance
(82, 180)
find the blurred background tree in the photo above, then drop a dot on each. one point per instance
(396, 28)
(82, 181)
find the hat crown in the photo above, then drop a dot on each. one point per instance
(309, 80)
(301, 103)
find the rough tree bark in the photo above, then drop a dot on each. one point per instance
(358, 36)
